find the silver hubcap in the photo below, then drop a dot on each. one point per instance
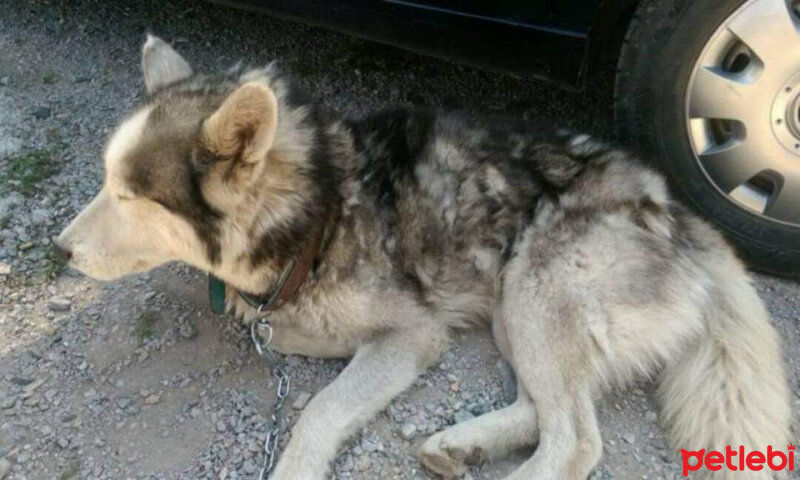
(743, 109)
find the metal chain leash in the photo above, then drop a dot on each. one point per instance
(258, 329)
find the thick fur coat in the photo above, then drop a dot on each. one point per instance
(589, 273)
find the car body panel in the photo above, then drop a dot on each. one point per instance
(543, 39)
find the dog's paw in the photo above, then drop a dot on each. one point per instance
(448, 460)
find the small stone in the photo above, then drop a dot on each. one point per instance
(7, 402)
(31, 387)
(221, 427)
(463, 416)
(5, 268)
(629, 437)
(59, 304)
(42, 112)
(651, 416)
(363, 463)
(63, 442)
(249, 467)
(188, 331)
(72, 471)
(408, 431)
(152, 399)
(22, 381)
(302, 400)
(48, 328)
(346, 464)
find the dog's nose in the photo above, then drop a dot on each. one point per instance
(62, 251)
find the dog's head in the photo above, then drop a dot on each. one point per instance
(199, 172)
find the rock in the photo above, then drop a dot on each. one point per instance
(301, 401)
(463, 416)
(5, 268)
(188, 331)
(59, 304)
(363, 463)
(221, 427)
(42, 112)
(7, 402)
(408, 431)
(249, 467)
(72, 471)
(31, 387)
(5, 468)
(651, 416)
(63, 442)
(347, 464)
(629, 437)
(152, 399)
(22, 381)
(371, 444)
(48, 328)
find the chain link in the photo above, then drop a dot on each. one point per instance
(257, 333)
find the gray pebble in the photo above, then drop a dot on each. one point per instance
(59, 304)
(408, 431)
(42, 112)
(302, 400)
(7, 402)
(463, 416)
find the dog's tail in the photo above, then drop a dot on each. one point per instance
(729, 387)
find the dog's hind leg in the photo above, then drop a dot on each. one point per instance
(377, 373)
(492, 435)
(549, 331)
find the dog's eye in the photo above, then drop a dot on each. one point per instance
(123, 198)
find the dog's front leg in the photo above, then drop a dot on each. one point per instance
(377, 373)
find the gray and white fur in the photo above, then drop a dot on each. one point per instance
(589, 272)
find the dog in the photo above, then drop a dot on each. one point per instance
(406, 225)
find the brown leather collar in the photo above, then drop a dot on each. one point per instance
(293, 275)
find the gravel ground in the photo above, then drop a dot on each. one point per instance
(137, 378)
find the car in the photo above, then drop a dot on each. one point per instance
(711, 88)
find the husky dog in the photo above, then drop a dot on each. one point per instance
(590, 274)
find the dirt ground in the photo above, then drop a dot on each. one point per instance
(137, 378)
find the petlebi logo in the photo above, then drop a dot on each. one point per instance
(738, 459)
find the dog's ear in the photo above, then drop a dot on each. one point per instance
(243, 128)
(161, 64)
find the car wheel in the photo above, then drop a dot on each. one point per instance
(712, 89)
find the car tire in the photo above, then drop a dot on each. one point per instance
(664, 40)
